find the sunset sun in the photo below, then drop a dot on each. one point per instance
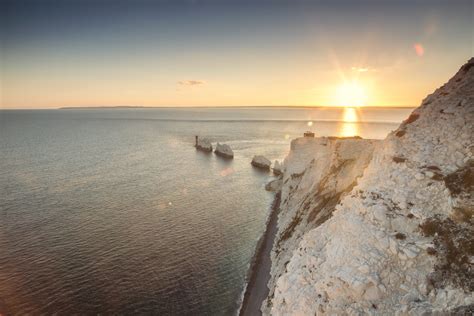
(351, 94)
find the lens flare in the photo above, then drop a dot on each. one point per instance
(419, 49)
(226, 172)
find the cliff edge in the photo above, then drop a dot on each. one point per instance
(381, 228)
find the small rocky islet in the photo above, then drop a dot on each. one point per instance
(225, 151)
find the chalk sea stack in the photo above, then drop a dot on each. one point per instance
(203, 144)
(261, 162)
(224, 150)
(277, 168)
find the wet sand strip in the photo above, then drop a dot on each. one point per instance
(257, 290)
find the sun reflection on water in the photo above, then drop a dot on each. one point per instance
(349, 126)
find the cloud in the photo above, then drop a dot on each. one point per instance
(191, 82)
(361, 69)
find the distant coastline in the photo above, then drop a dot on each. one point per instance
(229, 107)
(103, 107)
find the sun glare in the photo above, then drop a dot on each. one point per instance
(350, 115)
(351, 94)
(349, 126)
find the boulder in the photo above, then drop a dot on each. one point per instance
(203, 144)
(224, 150)
(274, 185)
(277, 168)
(261, 162)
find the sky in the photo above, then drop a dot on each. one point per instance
(229, 53)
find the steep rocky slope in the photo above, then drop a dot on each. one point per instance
(318, 173)
(401, 240)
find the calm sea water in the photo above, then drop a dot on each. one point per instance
(114, 211)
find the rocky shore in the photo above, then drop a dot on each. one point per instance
(259, 272)
(381, 227)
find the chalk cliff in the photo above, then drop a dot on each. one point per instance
(318, 173)
(381, 227)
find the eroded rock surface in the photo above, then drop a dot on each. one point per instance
(318, 173)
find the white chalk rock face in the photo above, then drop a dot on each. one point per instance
(224, 150)
(400, 241)
(204, 144)
(318, 173)
(277, 168)
(261, 162)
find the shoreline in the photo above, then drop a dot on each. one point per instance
(256, 290)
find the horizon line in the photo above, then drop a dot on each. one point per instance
(111, 107)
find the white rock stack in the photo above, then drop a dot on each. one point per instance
(203, 144)
(224, 150)
(261, 162)
(277, 168)
(397, 241)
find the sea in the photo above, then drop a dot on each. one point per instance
(113, 211)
